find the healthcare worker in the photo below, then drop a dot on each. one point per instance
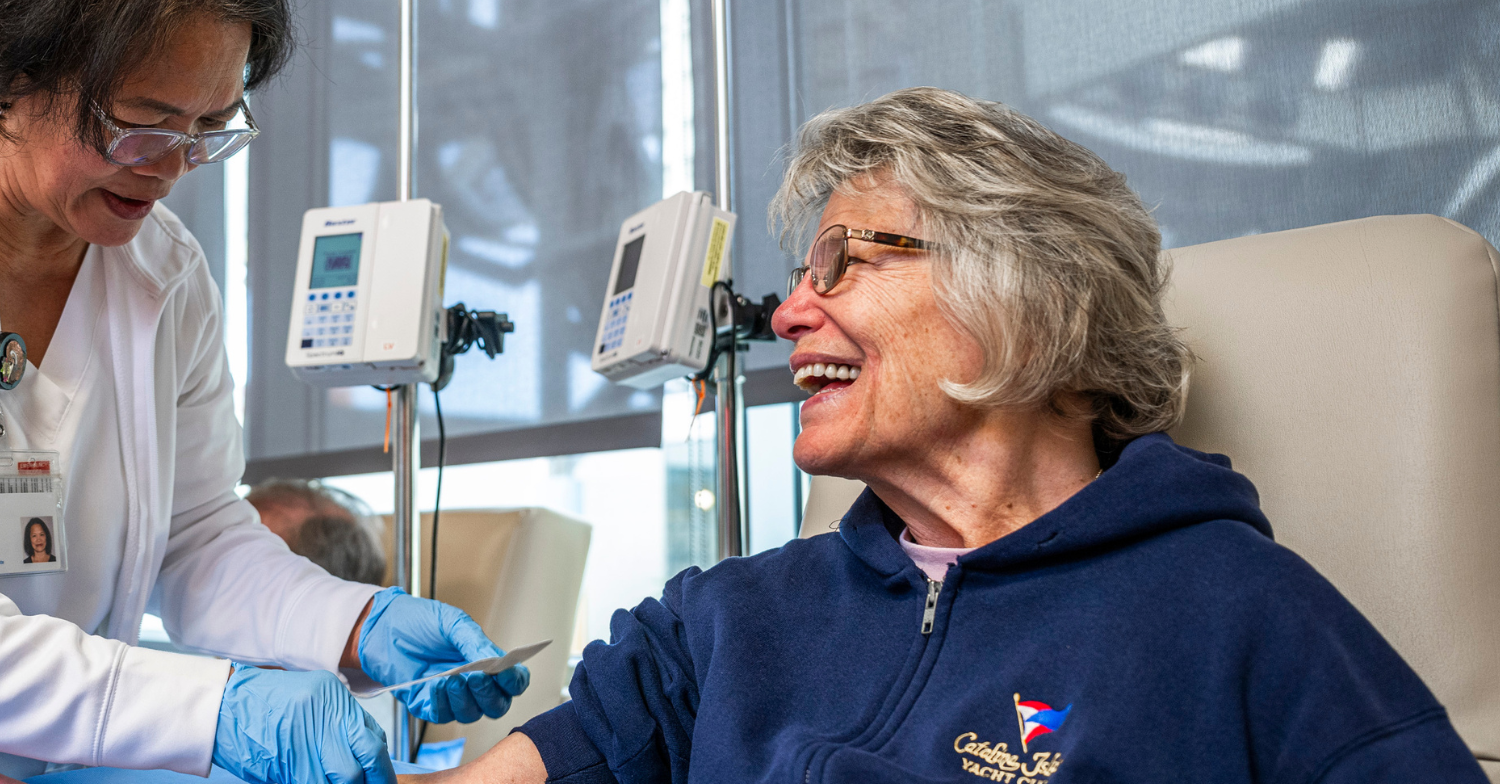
(104, 104)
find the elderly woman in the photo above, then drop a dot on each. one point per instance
(104, 104)
(1038, 586)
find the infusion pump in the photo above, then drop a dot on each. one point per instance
(367, 308)
(656, 323)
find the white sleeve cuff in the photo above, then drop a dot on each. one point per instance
(164, 712)
(314, 634)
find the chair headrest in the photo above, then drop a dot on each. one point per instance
(1352, 371)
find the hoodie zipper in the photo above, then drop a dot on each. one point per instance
(929, 618)
(929, 613)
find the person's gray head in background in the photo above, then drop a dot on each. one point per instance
(326, 525)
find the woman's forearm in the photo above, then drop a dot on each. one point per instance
(349, 660)
(511, 761)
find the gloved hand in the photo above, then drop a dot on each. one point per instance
(406, 638)
(280, 727)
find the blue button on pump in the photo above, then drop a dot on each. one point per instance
(351, 295)
(325, 295)
(311, 297)
(338, 294)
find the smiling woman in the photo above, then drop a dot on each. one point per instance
(77, 78)
(102, 43)
(104, 105)
(80, 82)
(1036, 575)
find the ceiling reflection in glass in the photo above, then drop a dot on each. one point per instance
(1230, 117)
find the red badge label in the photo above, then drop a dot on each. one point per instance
(33, 467)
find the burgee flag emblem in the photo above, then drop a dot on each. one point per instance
(1037, 719)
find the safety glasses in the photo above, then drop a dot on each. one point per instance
(145, 146)
(829, 256)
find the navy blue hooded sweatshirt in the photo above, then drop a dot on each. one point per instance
(1146, 630)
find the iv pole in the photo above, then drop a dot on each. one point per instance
(732, 532)
(406, 457)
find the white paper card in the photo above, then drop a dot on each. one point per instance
(491, 666)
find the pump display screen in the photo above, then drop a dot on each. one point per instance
(630, 261)
(335, 261)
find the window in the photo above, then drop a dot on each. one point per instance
(540, 128)
(621, 494)
(1230, 117)
(649, 518)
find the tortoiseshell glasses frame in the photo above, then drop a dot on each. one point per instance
(829, 256)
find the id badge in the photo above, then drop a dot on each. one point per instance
(32, 537)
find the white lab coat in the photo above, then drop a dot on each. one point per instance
(221, 581)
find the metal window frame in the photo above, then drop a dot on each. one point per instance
(607, 434)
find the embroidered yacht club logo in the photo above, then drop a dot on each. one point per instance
(995, 762)
(1037, 719)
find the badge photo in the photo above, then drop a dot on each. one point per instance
(31, 522)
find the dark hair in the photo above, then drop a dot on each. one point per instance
(87, 48)
(26, 536)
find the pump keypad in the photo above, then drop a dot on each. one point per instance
(328, 319)
(614, 325)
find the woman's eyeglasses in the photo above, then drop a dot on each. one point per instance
(145, 146)
(829, 256)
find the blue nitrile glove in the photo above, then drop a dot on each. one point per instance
(279, 727)
(406, 638)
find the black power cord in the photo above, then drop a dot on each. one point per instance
(437, 510)
(437, 500)
(466, 329)
(718, 343)
(747, 321)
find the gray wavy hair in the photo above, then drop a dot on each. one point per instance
(336, 529)
(1046, 258)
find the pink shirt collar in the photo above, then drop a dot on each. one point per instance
(933, 561)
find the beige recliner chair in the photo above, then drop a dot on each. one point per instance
(1352, 371)
(518, 573)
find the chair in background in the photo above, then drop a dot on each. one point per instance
(518, 573)
(1352, 371)
(828, 498)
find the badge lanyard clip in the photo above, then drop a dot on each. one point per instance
(12, 365)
